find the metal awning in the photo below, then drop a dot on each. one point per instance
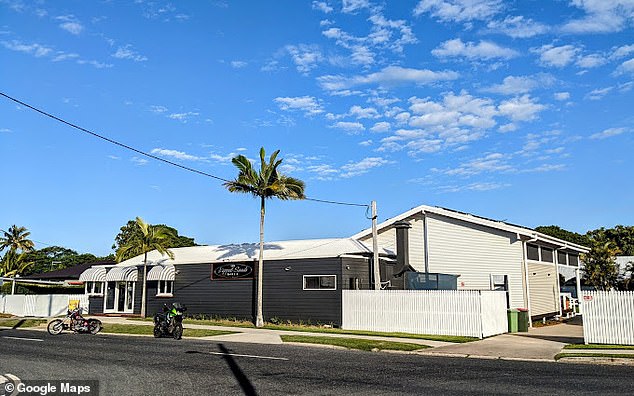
(130, 274)
(162, 272)
(93, 274)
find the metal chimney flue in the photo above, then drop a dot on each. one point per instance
(402, 246)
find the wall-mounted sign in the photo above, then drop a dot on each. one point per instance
(231, 271)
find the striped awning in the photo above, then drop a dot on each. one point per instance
(130, 274)
(93, 274)
(162, 272)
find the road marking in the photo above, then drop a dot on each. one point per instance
(21, 338)
(249, 356)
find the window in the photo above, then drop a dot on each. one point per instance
(165, 289)
(573, 259)
(499, 282)
(561, 258)
(320, 282)
(547, 254)
(354, 284)
(94, 288)
(532, 252)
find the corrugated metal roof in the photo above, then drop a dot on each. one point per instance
(280, 250)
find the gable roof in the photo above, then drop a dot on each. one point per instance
(280, 250)
(470, 218)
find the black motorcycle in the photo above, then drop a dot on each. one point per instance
(74, 322)
(169, 323)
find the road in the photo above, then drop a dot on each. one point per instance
(148, 366)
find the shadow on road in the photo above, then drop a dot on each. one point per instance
(245, 384)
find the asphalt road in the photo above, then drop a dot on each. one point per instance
(148, 366)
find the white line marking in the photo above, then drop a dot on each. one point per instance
(21, 338)
(249, 356)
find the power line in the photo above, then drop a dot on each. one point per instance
(187, 168)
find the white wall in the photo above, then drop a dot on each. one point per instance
(475, 253)
(40, 305)
(542, 281)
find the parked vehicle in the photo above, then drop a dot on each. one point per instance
(74, 322)
(169, 323)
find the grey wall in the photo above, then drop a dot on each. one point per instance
(95, 305)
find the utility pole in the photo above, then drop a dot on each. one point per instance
(375, 250)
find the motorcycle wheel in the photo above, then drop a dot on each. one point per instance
(178, 331)
(55, 327)
(94, 326)
(157, 331)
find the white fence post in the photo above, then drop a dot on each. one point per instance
(439, 312)
(608, 317)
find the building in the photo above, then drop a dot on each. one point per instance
(486, 255)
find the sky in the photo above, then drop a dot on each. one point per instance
(515, 110)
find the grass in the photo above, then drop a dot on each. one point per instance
(355, 343)
(319, 329)
(598, 346)
(20, 323)
(112, 328)
(599, 355)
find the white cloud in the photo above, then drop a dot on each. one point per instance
(94, 63)
(5, 130)
(308, 104)
(522, 108)
(561, 96)
(561, 56)
(126, 52)
(608, 133)
(381, 127)
(512, 85)
(305, 57)
(238, 64)
(599, 93)
(363, 112)
(510, 127)
(365, 143)
(602, 16)
(61, 56)
(459, 10)
(349, 127)
(139, 161)
(591, 61)
(479, 186)
(158, 109)
(350, 6)
(322, 6)
(387, 77)
(364, 166)
(485, 50)
(494, 162)
(175, 154)
(518, 27)
(70, 24)
(183, 117)
(34, 49)
(622, 52)
(626, 67)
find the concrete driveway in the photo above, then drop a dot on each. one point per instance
(541, 343)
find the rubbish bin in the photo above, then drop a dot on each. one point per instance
(512, 315)
(522, 320)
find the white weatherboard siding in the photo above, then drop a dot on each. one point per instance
(475, 253)
(387, 241)
(542, 281)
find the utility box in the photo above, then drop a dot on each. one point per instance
(522, 320)
(512, 315)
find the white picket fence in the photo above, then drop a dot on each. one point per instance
(608, 317)
(438, 312)
(40, 305)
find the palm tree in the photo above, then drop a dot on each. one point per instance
(146, 239)
(13, 264)
(267, 183)
(16, 239)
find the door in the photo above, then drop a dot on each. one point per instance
(119, 297)
(110, 296)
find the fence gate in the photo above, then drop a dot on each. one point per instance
(608, 317)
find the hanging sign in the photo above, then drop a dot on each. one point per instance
(231, 271)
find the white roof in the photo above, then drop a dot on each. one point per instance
(500, 225)
(280, 250)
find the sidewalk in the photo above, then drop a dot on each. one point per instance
(265, 336)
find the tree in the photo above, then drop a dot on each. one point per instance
(621, 236)
(600, 268)
(142, 241)
(128, 231)
(17, 238)
(265, 184)
(13, 263)
(558, 232)
(53, 258)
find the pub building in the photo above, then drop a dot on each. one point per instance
(302, 280)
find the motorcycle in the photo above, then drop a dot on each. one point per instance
(74, 322)
(169, 323)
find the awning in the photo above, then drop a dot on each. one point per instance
(93, 274)
(130, 274)
(162, 272)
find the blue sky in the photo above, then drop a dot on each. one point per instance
(515, 110)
